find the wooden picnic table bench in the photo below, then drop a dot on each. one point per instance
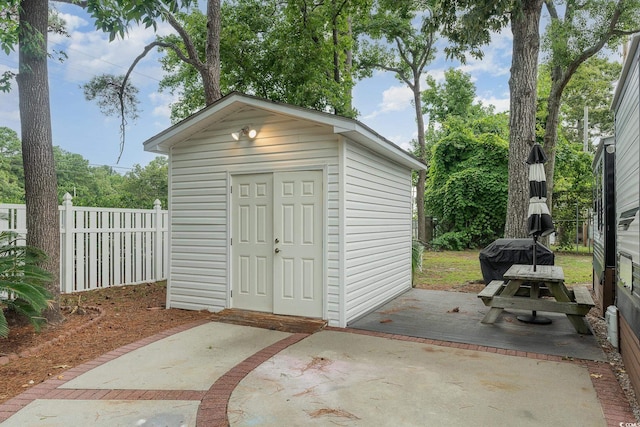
(523, 288)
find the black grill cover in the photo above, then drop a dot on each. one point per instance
(496, 258)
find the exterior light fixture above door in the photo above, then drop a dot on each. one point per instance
(245, 131)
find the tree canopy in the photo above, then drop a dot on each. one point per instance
(467, 179)
(571, 38)
(291, 52)
(11, 172)
(89, 185)
(452, 98)
(403, 37)
(592, 84)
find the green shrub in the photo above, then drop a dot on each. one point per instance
(22, 282)
(451, 241)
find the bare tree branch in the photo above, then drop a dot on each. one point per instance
(192, 52)
(147, 49)
(551, 8)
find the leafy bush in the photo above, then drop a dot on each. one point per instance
(22, 282)
(451, 241)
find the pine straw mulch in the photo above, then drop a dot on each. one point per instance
(97, 322)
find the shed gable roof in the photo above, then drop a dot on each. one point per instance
(349, 128)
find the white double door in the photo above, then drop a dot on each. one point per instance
(277, 243)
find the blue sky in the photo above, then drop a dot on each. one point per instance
(78, 126)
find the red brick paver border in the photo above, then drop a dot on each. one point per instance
(212, 410)
(49, 388)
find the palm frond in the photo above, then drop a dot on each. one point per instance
(22, 281)
(4, 326)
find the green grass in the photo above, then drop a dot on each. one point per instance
(578, 268)
(581, 249)
(455, 268)
(449, 268)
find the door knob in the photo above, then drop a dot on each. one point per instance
(277, 250)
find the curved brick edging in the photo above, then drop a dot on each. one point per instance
(49, 388)
(35, 349)
(212, 411)
(614, 403)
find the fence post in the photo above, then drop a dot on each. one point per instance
(157, 240)
(67, 255)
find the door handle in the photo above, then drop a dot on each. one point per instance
(277, 250)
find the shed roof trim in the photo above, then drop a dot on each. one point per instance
(351, 129)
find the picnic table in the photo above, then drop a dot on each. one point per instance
(539, 290)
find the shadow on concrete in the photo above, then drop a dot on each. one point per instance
(456, 317)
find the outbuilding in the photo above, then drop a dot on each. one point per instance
(285, 210)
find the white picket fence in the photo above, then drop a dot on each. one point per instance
(102, 247)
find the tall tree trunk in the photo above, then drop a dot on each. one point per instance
(349, 68)
(41, 190)
(336, 59)
(551, 136)
(342, 69)
(422, 175)
(525, 26)
(211, 74)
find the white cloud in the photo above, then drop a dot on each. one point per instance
(496, 60)
(490, 64)
(73, 22)
(436, 73)
(405, 146)
(9, 106)
(161, 103)
(9, 111)
(394, 98)
(500, 104)
(11, 64)
(90, 53)
(403, 140)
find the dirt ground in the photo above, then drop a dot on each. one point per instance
(96, 323)
(106, 319)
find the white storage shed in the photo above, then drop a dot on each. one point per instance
(286, 210)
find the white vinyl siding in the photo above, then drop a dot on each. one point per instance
(198, 217)
(200, 168)
(333, 245)
(627, 128)
(366, 202)
(377, 230)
